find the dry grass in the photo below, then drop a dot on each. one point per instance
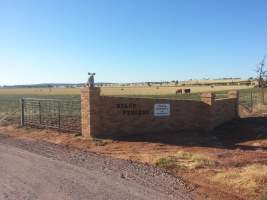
(169, 162)
(185, 160)
(164, 90)
(118, 90)
(252, 178)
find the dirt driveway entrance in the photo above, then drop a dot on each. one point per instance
(39, 170)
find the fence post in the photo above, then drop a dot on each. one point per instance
(40, 114)
(59, 115)
(251, 100)
(22, 112)
(261, 95)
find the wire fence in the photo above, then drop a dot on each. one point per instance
(249, 99)
(63, 115)
(9, 110)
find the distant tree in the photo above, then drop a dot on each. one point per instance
(261, 77)
(261, 73)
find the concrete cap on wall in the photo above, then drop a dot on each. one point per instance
(207, 95)
(91, 89)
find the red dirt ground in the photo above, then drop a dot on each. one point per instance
(234, 145)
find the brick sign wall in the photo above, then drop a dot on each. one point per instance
(114, 116)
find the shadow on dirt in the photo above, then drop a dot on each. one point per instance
(229, 136)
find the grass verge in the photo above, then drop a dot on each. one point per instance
(185, 160)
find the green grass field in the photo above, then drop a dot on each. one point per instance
(10, 104)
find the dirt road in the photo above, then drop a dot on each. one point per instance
(38, 170)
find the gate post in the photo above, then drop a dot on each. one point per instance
(209, 99)
(90, 97)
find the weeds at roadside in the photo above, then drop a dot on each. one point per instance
(167, 163)
(100, 142)
(186, 161)
(194, 161)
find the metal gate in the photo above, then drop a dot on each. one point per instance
(63, 115)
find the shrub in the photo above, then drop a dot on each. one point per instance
(185, 160)
(194, 161)
(167, 162)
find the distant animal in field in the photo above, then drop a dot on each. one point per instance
(187, 91)
(179, 91)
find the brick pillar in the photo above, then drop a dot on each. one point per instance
(208, 98)
(90, 97)
(234, 94)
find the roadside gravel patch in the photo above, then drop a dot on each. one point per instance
(146, 176)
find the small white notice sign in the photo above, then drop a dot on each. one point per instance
(161, 110)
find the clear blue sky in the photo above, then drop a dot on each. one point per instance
(130, 40)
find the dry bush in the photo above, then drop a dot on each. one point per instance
(167, 163)
(252, 178)
(185, 160)
(194, 161)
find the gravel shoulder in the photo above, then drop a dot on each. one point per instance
(40, 170)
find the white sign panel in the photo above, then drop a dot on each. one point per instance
(162, 110)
